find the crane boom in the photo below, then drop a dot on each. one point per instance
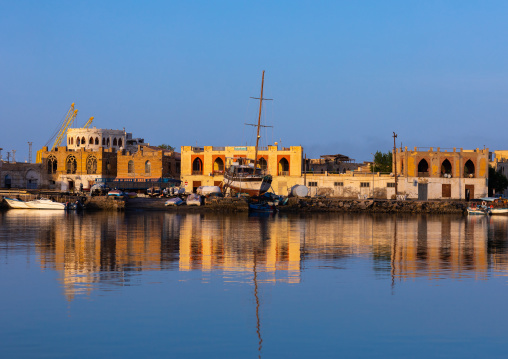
(88, 123)
(69, 119)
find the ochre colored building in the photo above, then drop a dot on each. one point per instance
(148, 162)
(204, 166)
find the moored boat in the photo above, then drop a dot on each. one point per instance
(243, 175)
(193, 200)
(174, 201)
(16, 203)
(45, 203)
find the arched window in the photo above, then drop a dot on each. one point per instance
(103, 141)
(115, 142)
(283, 167)
(91, 165)
(197, 167)
(72, 140)
(107, 142)
(52, 164)
(148, 168)
(83, 140)
(120, 142)
(96, 140)
(77, 141)
(71, 164)
(446, 167)
(218, 165)
(423, 168)
(7, 182)
(262, 164)
(90, 141)
(130, 167)
(469, 170)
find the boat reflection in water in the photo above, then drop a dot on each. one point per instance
(99, 251)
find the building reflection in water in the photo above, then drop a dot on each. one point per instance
(101, 250)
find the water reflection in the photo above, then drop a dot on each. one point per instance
(101, 250)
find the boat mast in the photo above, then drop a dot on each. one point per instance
(259, 121)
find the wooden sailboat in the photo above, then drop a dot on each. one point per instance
(243, 175)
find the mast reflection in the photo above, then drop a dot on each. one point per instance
(99, 251)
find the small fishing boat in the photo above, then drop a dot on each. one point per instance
(264, 207)
(193, 200)
(477, 208)
(177, 201)
(497, 205)
(16, 203)
(116, 193)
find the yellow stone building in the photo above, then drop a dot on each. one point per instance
(148, 162)
(204, 166)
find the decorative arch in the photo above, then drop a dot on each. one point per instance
(71, 164)
(130, 167)
(423, 168)
(283, 167)
(72, 140)
(91, 165)
(103, 141)
(218, 165)
(77, 141)
(148, 168)
(120, 143)
(115, 142)
(263, 164)
(96, 140)
(90, 141)
(52, 164)
(197, 166)
(83, 140)
(446, 167)
(469, 169)
(107, 142)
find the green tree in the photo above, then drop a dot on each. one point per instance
(382, 162)
(497, 181)
(166, 147)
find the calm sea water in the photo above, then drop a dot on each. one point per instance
(151, 285)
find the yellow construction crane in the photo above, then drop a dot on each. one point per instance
(88, 123)
(69, 119)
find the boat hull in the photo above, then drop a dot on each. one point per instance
(16, 203)
(252, 186)
(45, 204)
(476, 211)
(499, 211)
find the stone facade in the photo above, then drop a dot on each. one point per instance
(149, 163)
(69, 169)
(204, 166)
(96, 138)
(21, 175)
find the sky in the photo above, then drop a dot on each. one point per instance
(343, 75)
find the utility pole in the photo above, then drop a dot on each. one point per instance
(29, 152)
(395, 162)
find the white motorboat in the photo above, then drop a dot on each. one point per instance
(45, 203)
(16, 203)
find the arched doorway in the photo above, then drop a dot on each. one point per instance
(218, 166)
(446, 168)
(262, 164)
(469, 170)
(423, 168)
(197, 167)
(7, 181)
(283, 167)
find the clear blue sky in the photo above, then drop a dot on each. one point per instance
(343, 74)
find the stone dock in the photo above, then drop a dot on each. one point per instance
(294, 205)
